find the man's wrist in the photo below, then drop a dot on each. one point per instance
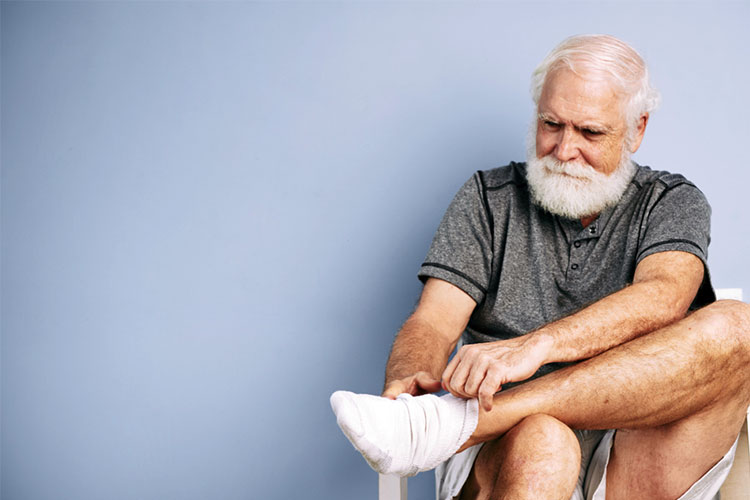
(543, 344)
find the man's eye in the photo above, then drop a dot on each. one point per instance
(551, 124)
(591, 132)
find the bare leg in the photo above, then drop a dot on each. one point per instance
(662, 377)
(675, 388)
(538, 458)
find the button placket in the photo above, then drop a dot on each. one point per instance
(577, 251)
(579, 248)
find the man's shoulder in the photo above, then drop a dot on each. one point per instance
(647, 177)
(513, 174)
(667, 189)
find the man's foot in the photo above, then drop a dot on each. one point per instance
(406, 435)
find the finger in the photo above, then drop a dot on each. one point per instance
(412, 388)
(450, 369)
(461, 374)
(476, 376)
(427, 383)
(485, 399)
(491, 384)
(448, 387)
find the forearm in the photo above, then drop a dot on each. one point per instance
(638, 309)
(425, 342)
(417, 348)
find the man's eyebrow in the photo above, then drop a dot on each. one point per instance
(546, 117)
(596, 127)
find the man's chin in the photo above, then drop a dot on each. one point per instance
(561, 192)
(562, 208)
(570, 197)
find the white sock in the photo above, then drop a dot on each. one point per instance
(406, 435)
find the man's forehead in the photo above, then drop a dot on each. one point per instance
(581, 98)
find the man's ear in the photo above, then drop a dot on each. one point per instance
(639, 131)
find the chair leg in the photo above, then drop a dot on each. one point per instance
(392, 487)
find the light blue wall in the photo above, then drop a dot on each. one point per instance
(213, 213)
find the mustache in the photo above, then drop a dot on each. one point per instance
(570, 168)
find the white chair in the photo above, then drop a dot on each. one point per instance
(392, 487)
(736, 487)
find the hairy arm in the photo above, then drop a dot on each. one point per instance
(663, 288)
(421, 349)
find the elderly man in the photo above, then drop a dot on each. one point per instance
(579, 283)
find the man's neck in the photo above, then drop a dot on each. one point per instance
(588, 220)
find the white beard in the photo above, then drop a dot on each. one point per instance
(575, 190)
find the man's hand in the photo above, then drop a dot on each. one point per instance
(416, 385)
(479, 370)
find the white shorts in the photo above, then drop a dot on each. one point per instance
(451, 475)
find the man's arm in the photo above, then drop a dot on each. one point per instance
(426, 340)
(663, 288)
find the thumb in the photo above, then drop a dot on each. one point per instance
(394, 389)
(427, 383)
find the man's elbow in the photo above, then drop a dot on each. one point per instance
(675, 305)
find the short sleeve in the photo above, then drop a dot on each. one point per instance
(680, 220)
(461, 251)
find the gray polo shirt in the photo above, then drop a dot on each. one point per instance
(526, 267)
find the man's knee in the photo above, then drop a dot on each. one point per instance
(545, 429)
(728, 320)
(723, 330)
(736, 313)
(539, 456)
(539, 444)
(548, 437)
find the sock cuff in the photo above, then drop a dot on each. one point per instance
(468, 410)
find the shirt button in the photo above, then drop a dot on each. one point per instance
(592, 230)
(574, 267)
(577, 244)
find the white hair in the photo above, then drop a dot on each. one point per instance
(603, 56)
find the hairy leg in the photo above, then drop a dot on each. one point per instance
(678, 371)
(684, 387)
(663, 462)
(538, 458)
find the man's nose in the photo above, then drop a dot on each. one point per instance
(567, 145)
